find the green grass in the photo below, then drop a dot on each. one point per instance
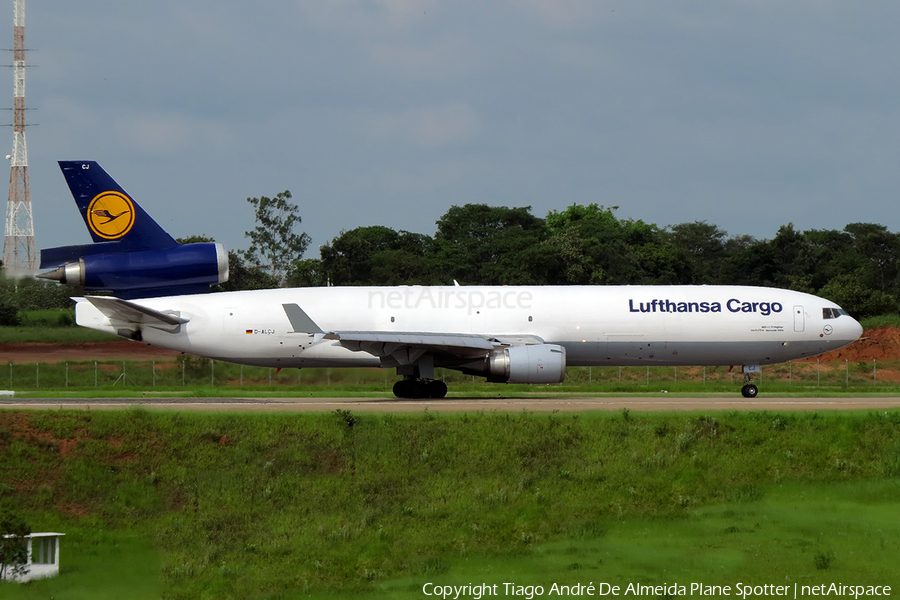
(892, 320)
(285, 505)
(202, 377)
(98, 565)
(779, 539)
(53, 335)
(48, 317)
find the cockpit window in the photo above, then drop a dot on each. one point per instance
(833, 313)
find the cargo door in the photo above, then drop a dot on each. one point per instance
(799, 318)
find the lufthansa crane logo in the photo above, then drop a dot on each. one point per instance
(110, 215)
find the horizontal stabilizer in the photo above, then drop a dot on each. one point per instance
(117, 309)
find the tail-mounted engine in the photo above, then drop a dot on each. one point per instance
(180, 269)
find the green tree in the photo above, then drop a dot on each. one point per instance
(851, 293)
(830, 253)
(881, 249)
(308, 272)
(593, 246)
(789, 249)
(378, 255)
(9, 314)
(28, 293)
(244, 276)
(749, 262)
(13, 546)
(704, 249)
(492, 245)
(274, 243)
(195, 239)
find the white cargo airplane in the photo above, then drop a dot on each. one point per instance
(516, 334)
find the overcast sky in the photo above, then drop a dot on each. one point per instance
(745, 114)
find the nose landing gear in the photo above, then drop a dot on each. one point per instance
(749, 390)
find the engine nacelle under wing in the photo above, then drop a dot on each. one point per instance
(535, 363)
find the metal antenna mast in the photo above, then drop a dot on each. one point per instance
(19, 254)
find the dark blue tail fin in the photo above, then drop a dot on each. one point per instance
(109, 212)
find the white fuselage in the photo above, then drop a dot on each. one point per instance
(597, 325)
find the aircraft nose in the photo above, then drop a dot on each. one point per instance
(852, 329)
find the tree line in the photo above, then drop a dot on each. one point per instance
(477, 244)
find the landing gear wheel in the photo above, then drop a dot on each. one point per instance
(437, 389)
(749, 391)
(403, 388)
(419, 388)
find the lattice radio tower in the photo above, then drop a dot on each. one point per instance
(19, 253)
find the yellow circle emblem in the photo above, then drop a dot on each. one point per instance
(110, 215)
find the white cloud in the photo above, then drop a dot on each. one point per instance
(428, 127)
(75, 123)
(664, 108)
(565, 12)
(449, 56)
(164, 134)
(362, 16)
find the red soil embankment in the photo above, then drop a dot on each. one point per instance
(881, 344)
(33, 352)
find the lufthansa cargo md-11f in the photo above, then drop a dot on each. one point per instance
(515, 334)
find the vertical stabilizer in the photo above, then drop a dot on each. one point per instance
(110, 213)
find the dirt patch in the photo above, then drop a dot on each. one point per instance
(17, 427)
(881, 344)
(33, 352)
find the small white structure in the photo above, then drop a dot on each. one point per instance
(43, 556)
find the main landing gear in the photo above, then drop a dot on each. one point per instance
(420, 388)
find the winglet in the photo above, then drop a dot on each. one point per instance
(300, 321)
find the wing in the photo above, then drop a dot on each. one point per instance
(407, 347)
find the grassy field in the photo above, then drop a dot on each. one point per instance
(881, 321)
(53, 335)
(202, 377)
(377, 505)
